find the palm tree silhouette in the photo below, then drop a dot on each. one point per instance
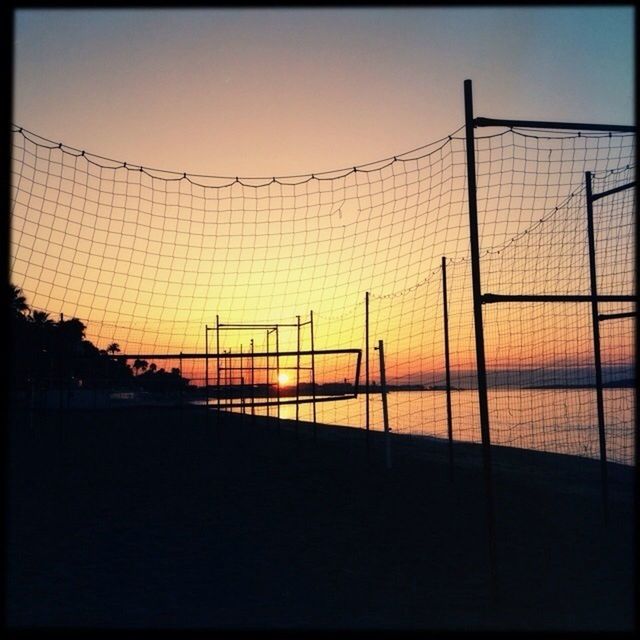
(43, 326)
(41, 319)
(140, 365)
(17, 301)
(113, 348)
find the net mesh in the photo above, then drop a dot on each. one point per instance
(148, 258)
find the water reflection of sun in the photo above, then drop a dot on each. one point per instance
(283, 378)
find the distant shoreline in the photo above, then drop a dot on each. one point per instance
(618, 384)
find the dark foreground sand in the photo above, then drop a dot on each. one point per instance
(155, 518)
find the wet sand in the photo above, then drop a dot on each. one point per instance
(168, 518)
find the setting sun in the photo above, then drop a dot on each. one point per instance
(283, 378)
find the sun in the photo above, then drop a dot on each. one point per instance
(283, 378)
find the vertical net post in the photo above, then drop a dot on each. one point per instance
(447, 364)
(298, 375)
(242, 402)
(224, 368)
(218, 366)
(479, 331)
(385, 408)
(596, 347)
(181, 387)
(268, 377)
(313, 375)
(206, 365)
(278, 375)
(253, 382)
(366, 368)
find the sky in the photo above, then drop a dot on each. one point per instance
(256, 92)
(280, 92)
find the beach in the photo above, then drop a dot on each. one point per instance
(180, 518)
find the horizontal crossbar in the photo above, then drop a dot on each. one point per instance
(610, 192)
(536, 124)
(489, 298)
(616, 316)
(248, 354)
(253, 368)
(253, 326)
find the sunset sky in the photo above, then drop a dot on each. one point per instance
(147, 262)
(283, 91)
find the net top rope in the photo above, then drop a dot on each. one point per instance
(334, 174)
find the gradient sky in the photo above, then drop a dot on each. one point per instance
(284, 91)
(279, 92)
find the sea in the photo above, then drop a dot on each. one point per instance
(553, 420)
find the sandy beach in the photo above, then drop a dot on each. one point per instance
(170, 518)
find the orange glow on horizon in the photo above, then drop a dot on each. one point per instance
(147, 262)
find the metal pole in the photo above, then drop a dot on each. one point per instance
(298, 378)
(479, 331)
(313, 376)
(536, 124)
(106, 382)
(206, 364)
(491, 298)
(278, 375)
(385, 409)
(181, 387)
(616, 316)
(253, 381)
(610, 192)
(268, 377)
(366, 368)
(260, 354)
(447, 364)
(225, 379)
(596, 349)
(242, 403)
(218, 365)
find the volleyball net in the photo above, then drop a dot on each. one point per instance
(147, 259)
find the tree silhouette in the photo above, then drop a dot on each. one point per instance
(160, 380)
(140, 365)
(42, 330)
(41, 319)
(113, 348)
(44, 352)
(17, 301)
(71, 332)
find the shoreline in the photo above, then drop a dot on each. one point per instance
(147, 401)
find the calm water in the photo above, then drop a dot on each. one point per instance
(555, 420)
